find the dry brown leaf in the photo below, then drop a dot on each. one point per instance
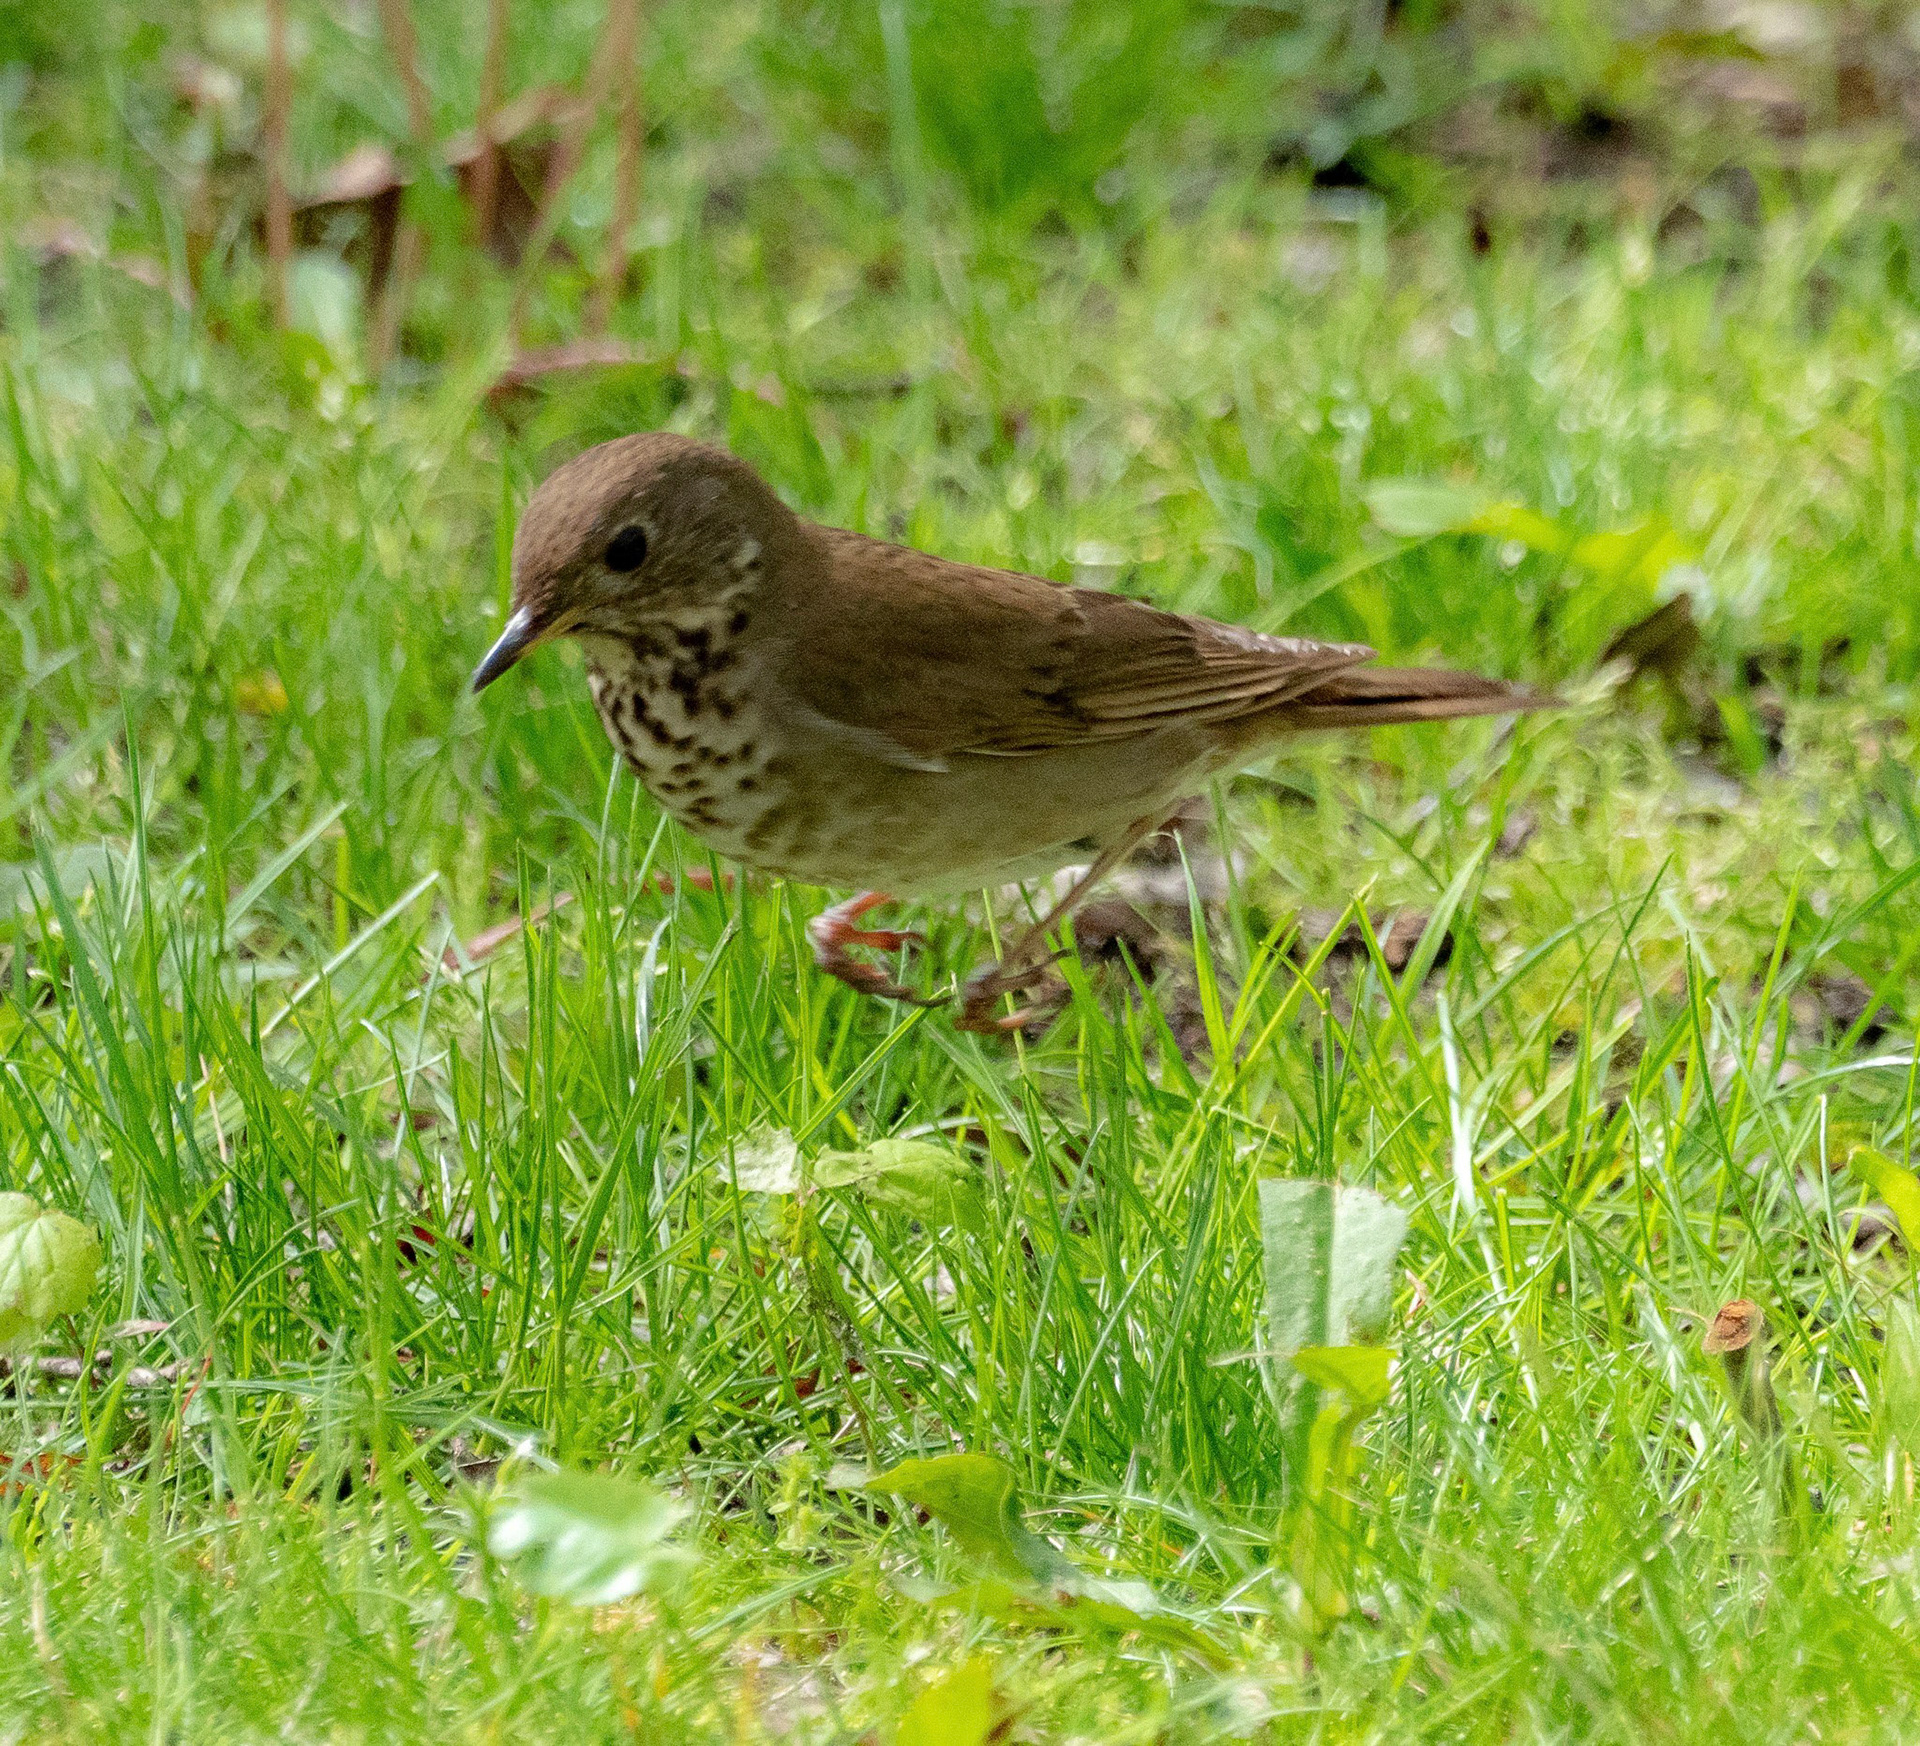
(531, 368)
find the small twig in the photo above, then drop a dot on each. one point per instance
(279, 100)
(396, 24)
(623, 53)
(527, 368)
(186, 1402)
(486, 167)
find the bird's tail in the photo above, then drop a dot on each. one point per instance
(1374, 696)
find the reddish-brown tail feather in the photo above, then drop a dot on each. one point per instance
(1371, 696)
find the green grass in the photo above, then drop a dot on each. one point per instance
(401, 1216)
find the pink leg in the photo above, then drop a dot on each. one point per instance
(833, 931)
(1027, 959)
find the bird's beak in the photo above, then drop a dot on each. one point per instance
(520, 635)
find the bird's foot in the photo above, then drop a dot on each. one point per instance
(834, 934)
(981, 993)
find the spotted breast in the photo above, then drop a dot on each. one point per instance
(674, 700)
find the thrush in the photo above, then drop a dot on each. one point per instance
(837, 710)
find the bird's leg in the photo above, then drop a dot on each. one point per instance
(1026, 960)
(833, 931)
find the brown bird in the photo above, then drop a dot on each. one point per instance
(833, 709)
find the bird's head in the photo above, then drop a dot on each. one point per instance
(637, 531)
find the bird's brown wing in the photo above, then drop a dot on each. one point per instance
(943, 658)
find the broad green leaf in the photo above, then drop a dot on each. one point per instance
(974, 1497)
(77, 866)
(1900, 1378)
(1417, 508)
(1350, 1382)
(958, 1709)
(1515, 521)
(1358, 1372)
(590, 1538)
(1421, 508)
(1895, 1184)
(934, 1183)
(1330, 1256)
(1644, 553)
(47, 1264)
(1024, 1604)
(323, 298)
(767, 1162)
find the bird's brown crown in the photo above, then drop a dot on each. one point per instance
(641, 527)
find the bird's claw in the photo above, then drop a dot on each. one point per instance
(836, 934)
(833, 932)
(981, 993)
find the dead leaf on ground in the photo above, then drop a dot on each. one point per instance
(61, 240)
(1841, 999)
(1522, 825)
(1399, 933)
(697, 878)
(1110, 929)
(1761, 93)
(1734, 1327)
(524, 135)
(361, 193)
(532, 368)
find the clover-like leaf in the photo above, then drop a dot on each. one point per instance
(590, 1538)
(47, 1265)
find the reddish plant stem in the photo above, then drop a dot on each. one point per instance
(486, 167)
(396, 24)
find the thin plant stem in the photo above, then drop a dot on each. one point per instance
(486, 167)
(623, 44)
(279, 101)
(567, 155)
(396, 24)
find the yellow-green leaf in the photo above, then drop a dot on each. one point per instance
(958, 1709)
(1359, 1372)
(47, 1264)
(1894, 1183)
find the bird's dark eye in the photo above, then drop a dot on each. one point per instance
(627, 550)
